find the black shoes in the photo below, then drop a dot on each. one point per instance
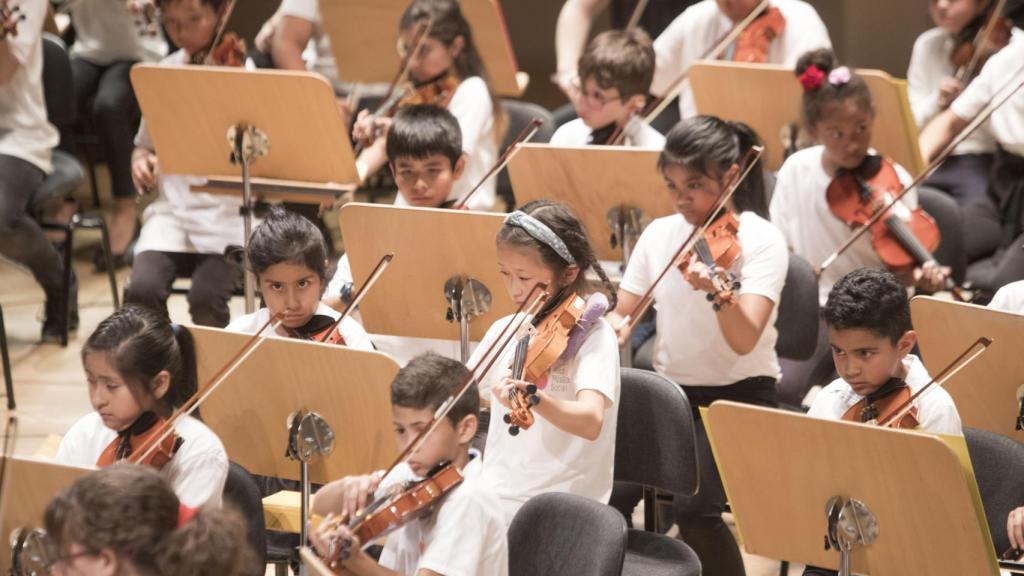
(57, 316)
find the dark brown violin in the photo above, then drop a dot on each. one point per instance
(883, 404)
(143, 432)
(718, 249)
(226, 48)
(9, 18)
(979, 40)
(902, 238)
(753, 42)
(320, 328)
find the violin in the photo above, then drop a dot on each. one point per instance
(883, 404)
(9, 18)
(718, 249)
(130, 441)
(391, 511)
(320, 328)
(984, 36)
(225, 49)
(753, 42)
(437, 91)
(902, 238)
(147, 22)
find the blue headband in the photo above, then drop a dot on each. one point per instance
(540, 232)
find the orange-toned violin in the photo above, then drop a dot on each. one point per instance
(883, 405)
(142, 433)
(226, 48)
(752, 44)
(320, 328)
(718, 249)
(9, 18)
(979, 40)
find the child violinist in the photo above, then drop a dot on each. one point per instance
(933, 82)
(465, 534)
(713, 352)
(838, 112)
(140, 368)
(183, 232)
(571, 445)
(126, 519)
(614, 76)
(448, 64)
(288, 255)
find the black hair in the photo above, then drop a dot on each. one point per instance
(710, 146)
(131, 510)
(869, 299)
(217, 5)
(446, 24)
(285, 236)
(564, 223)
(422, 130)
(620, 59)
(817, 98)
(428, 380)
(142, 343)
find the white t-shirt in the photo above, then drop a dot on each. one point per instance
(690, 348)
(799, 208)
(465, 536)
(1009, 298)
(544, 458)
(929, 65)
(180, 220)
(25, 131)
(342, 276)
(352, 331)
(935, 409)
(702, 25)
(106, 32)
(197, 471)
(638, 133)
(471, 106)
(1005, 68)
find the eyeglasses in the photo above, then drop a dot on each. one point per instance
(593, 98)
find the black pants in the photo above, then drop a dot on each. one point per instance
(700, 516)
(994, 227)
(964, 177)
(105, 94)
(21, 238)
(214, 278)
(799, 376)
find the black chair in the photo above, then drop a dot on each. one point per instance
(655, 448)
(67, 173)
(998, 464)
(519, 115)
(242, 492)
(797, 320)
(6, 357)
(946, 213)
(561, 534)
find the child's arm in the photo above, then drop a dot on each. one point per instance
(939, 133)
(358, 563)
(625, 303)
(8, 63)
(291, 34)
(743, 321)
(347, 496)
(145, 169)
(581, 417)
(574, 22)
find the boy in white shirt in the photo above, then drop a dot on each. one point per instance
(1009, 298)
(465, 534)
(701, 26)
(26, 142)
(614, 76)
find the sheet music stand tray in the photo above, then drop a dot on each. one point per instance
(767, 97)
(781, 469)
(987, 391)
(594, 180)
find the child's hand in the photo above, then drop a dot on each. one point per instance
(622, 330)
(369, 129)
(931, 276)
(145, 169)
(344, 110)
(504, 388)
(949, 89)
(333, 539)
(699, 276)
(1015, 528)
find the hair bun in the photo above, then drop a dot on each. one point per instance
(823, 59)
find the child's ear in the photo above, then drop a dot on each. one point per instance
(391, 166)
(466, 429)
(460, 167)
(570, 274)
(906, 343)
(457, 45)
(161, 384)
(636, 103)
(108, 562)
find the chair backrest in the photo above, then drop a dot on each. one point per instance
(58, 86)
(655, 441)
(797, 320)
(242, 492)
(998, 465)
(519, 115)
(944, 210)
(566, 535)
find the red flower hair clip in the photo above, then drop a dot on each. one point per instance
(812, 78)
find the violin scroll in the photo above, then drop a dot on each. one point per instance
(9, 18)
(520, 417)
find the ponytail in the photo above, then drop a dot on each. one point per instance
(186, 383)
(824, 81)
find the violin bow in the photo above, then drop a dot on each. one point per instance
(954, 367)
(524, 136)
(221, 27)
(967, 130)
(749, 161)
(969, 70)
(638, 12)
(204, 391)
(375, 274)
(10, 434)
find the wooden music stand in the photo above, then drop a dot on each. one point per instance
(30, 486)
(767, 97)
(431, 246)
(781, 469)
(293, 134)
(314, 563)
(361, 27)
(986, 392)
(593, 180)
